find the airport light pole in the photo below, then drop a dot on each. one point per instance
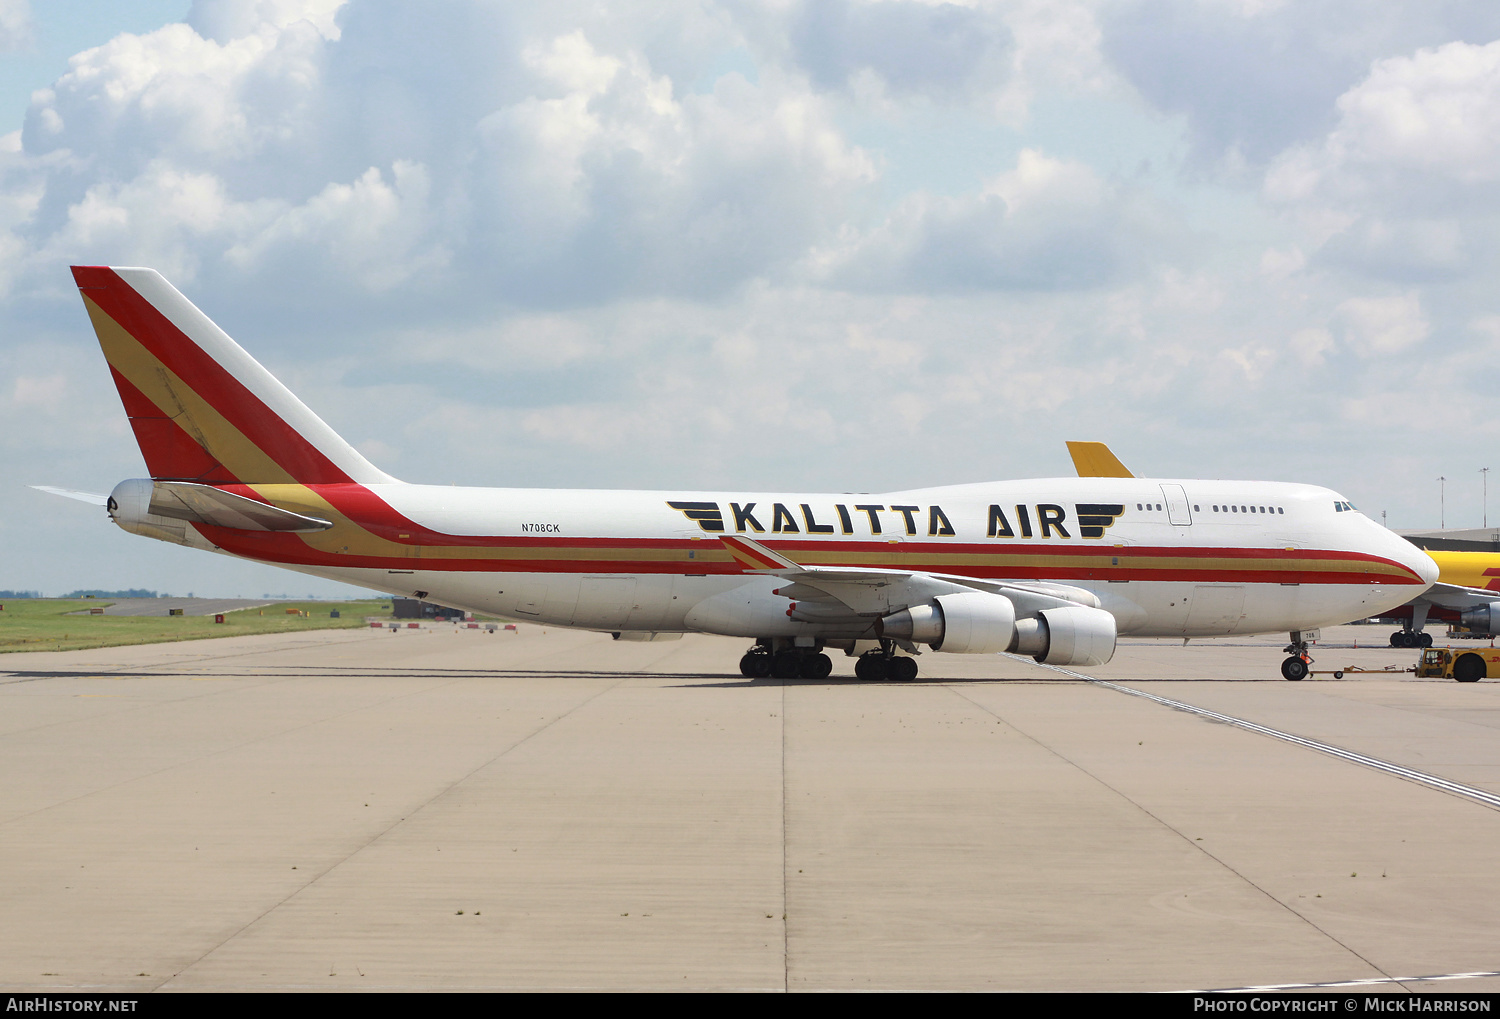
(1484, 473)
(1442, 503)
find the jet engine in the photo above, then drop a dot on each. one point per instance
(977, 623)
(1484, 619)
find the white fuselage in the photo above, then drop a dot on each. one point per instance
(1165, 558)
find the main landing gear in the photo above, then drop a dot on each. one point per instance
(790, 663)
(882, 666)
(1410, 638)
(778, 658)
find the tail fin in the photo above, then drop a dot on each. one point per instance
(202, 409)
(1094, 460)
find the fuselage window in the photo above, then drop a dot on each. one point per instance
(1196, 509)
(1280, 510)
(1233, 510)
(1138, 506)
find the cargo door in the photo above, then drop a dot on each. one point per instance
(1215, 609)
(548, 598)
(604, 602)
(1177, 504)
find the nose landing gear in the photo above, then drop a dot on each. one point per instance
(1299, 663)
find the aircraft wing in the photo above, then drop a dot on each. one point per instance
(1451, 596)
(871, 592)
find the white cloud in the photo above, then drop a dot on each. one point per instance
(1429, 121)
(165, 218)
(227, 20)
(378, 233)
(1311, 347)
(1436, 112)
(15, 24)
(1379, 326)
(1253, 77)
(1045, 224)
(936, 48)
(1405, 186)
(582, 175)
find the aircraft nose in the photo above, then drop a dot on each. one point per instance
(1420, 562)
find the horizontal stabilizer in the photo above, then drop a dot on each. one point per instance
(204, 504)
(93, 498)
(1094, 460)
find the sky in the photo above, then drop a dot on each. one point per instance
(711, 244)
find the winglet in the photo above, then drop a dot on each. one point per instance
(1094, 460)
(755, 557)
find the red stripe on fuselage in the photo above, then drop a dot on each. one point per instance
(375, 515)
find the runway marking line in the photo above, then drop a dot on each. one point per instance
(1346, 983)
(1488, 799)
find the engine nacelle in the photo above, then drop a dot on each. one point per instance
(1071, 636)
(1484, 619)
(130, 506)
(977, 623)
(971, 623)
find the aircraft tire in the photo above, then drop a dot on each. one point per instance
(755, 666)
(870, 669)
(1469, 668)
(817, 666)
(1398, 639)
(1293, 669)
(1424, 640)
(785, 666)
(902, 670)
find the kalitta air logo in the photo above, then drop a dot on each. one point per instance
(1044, 520)
(1094, 517)
(1051, 520)
(705, 513)
(803, 518)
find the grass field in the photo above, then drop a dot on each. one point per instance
(44, 624)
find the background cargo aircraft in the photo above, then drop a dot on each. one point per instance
(1052, 568)
(1468, 588)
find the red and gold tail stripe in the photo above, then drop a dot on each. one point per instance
(234, 426)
